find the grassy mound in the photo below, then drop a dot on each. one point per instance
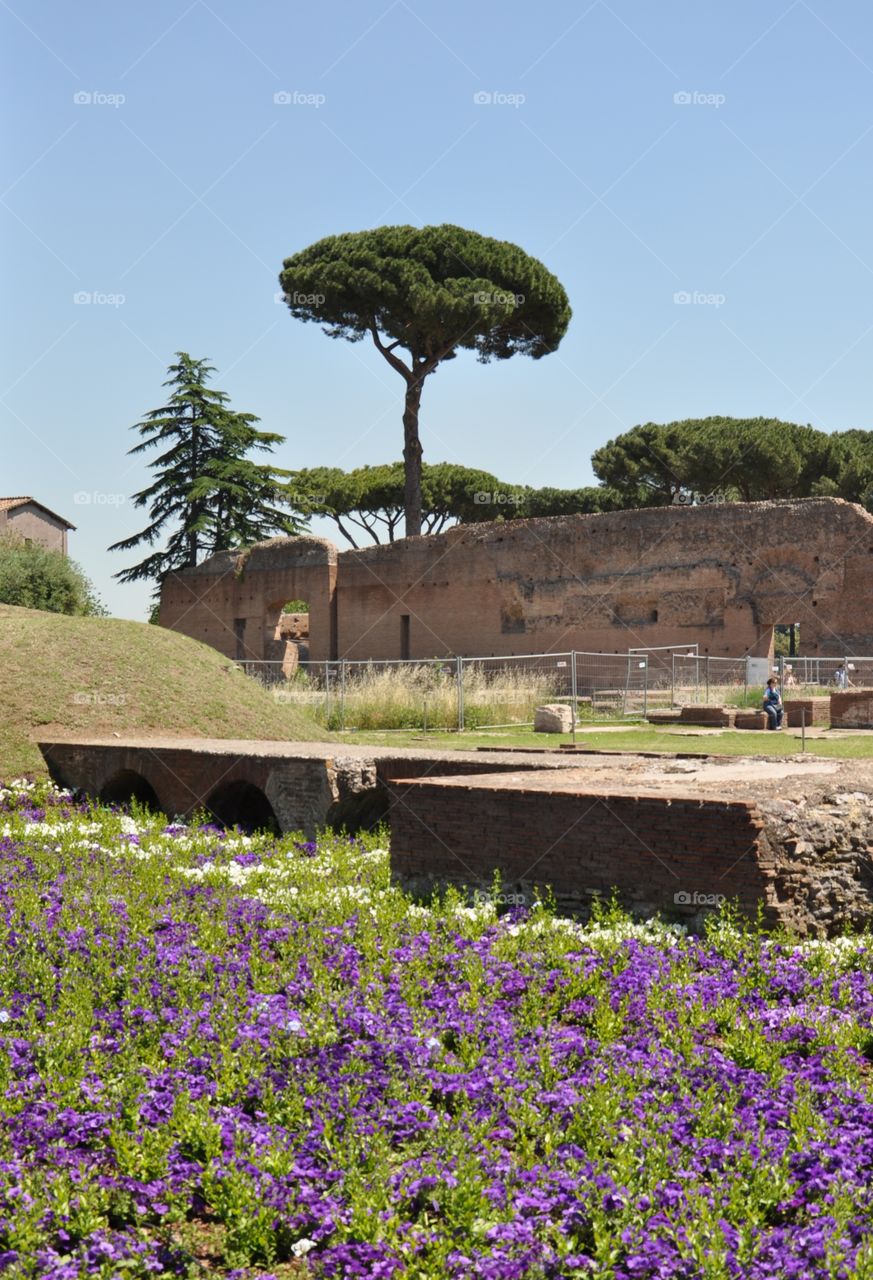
(62, 677)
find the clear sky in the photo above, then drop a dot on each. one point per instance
(646, 153)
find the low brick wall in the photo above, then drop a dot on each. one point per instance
(816, 710)
(750, 720)
(701, 714)
(676, 855)
(852, 709)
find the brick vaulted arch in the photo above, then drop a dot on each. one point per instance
(126, 785)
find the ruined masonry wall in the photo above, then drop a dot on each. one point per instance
(721, 577)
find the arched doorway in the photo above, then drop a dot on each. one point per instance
(242, 804)
(128, 785)
(286, 636)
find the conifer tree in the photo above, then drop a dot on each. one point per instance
(207, 494)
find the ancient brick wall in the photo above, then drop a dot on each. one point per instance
(721, 577)
(675, 856)
(233, 601)
(718, 576)
(852, 709)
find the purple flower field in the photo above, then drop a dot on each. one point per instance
(241, 1056)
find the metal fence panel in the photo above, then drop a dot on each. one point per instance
(504, 692)
(611, 684)
(710, 680)
(824, 675)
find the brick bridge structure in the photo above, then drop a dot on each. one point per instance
(721, 577)
(671, 835)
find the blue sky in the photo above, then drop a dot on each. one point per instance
(720, 154)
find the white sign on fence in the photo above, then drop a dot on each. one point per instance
(757, 671)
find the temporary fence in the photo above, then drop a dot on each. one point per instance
(824, 673)
(706, 679)
(503, 692)
(458, 693)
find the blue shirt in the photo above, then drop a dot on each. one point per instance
(772, 696)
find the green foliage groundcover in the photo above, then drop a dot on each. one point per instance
(232, 1055)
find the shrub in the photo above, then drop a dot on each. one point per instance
(33, 577)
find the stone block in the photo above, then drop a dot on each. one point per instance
(554, 717)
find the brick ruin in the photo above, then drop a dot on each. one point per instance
(672, 835)
(722, 577)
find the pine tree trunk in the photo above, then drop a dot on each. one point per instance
(412, 452)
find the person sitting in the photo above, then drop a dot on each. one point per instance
(773, 704)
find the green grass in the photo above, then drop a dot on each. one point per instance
(89, 677)
(644, 738)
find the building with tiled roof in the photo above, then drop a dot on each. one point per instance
(24, 517)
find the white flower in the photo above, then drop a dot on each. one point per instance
(302, 1247)
(4, 1016)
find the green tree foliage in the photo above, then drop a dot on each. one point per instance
(646, 466)
(757, 459)
(568, 502)
(742, 459)
(421, 295)
(33, 577)
(851, 474)
(207, 494)
(369, 501)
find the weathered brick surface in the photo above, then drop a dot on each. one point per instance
(750, 720)
(234, 600)
(720, 717)
(811, 711)
(718, 576)
(674, 855)
(852, 709)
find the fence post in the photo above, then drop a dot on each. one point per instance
(574, 692)
(342, 693)
(706, 676)
(460, 662)
(673, 680)
(327, 694)
(646, 687)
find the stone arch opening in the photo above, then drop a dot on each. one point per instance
(242, 804)
(128, 785)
